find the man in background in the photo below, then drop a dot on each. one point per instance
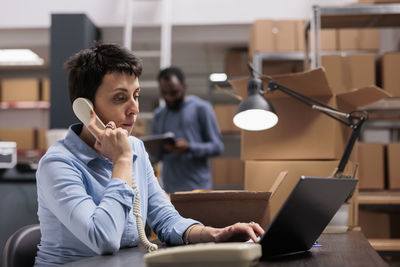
(186, 164)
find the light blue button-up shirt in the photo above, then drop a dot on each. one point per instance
(84, 212)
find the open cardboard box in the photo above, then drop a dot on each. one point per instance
(223, 208)
(265, 175)
(303, 133)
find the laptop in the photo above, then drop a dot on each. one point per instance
(303, 217)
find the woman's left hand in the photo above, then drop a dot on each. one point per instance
(239, 232)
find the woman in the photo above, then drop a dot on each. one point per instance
(84, 184)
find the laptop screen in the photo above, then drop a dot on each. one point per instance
(307, 211)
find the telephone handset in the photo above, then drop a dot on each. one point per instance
(82, 107)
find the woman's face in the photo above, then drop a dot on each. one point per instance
(117, 100)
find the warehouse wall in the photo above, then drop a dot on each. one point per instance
(35, 14)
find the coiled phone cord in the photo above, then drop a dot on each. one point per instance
(139, 222)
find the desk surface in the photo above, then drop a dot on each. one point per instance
(349, 249)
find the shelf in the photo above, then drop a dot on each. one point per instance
(386, 104)
(385, 244)
(357, 16)
(360, 16)
(25, 105)
(384, 197)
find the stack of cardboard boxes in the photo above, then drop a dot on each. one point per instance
(227, 171)
(305, 141)
(17, 90)
(288, 36)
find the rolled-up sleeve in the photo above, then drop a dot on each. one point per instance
(98, 225)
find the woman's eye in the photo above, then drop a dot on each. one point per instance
(136, 97)
(119, 98)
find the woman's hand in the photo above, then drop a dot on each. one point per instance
(239, 232)
(113, 143)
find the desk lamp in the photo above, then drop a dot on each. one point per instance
(256, 113)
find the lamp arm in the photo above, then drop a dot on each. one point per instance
(311, 102)
(338, 172)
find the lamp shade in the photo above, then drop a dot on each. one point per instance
(255, 113)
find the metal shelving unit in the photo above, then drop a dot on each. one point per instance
(360, 16)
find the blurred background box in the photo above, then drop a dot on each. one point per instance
(359, 39)
(224, 114)
(329, 39)
(371, 172)
(379, 224)
(345, 73)
(227, 173)
(393, 164)
(24, 137)
(41, 139)
(390, 73)
(45, 93)
(140, 128)
(21, 89)
(236, 65)
(223, 208)
(273, 36)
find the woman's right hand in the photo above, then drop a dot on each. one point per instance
(113, 143)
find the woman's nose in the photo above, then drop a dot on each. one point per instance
(133, 106)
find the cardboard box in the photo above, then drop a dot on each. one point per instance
(329, 40)
(45, 93)
(261, 175)
(20, 89)
(374, 224)
(140, 127)
(345, 73)
(225, 114)
(370, 157)
(393, 156)
(227, 172)
(273, 36)
(223, 208)
(41, 139)
(236, 63)
(302, 132)
(359, 39)
(25, 138)
(273, 67)
(390, 73)
(379, 224)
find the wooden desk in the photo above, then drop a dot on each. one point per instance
(350, 249)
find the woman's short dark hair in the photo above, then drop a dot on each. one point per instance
(87, 68)
(167, 73)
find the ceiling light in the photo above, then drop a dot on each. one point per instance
(19, 57)
(218, 77)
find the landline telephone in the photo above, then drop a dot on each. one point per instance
(211, 254)
(82, 107)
